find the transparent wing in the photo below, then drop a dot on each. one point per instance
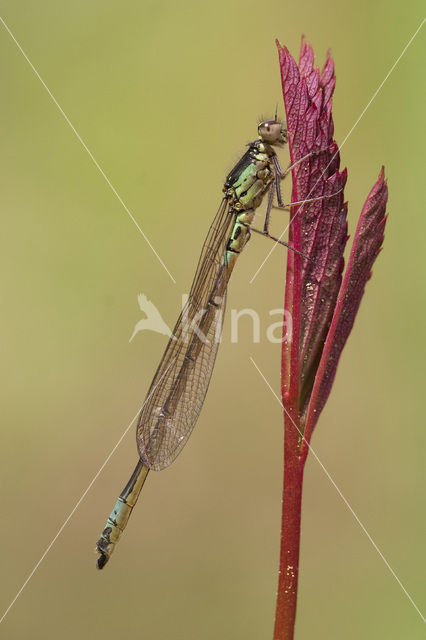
(180, 384)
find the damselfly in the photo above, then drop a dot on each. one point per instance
(180, 384)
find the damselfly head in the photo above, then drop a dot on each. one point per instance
(272, 132)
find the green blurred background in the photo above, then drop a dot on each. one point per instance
(165, 95)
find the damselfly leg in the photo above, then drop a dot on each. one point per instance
(275, 188)
(280, 174)
(177, 392)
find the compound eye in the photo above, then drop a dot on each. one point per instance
(263, 128)
(270, 131)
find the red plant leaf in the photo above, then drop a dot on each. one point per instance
(323, 309)
(318, 228)
(365, 249)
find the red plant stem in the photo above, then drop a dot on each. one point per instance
(285, 615)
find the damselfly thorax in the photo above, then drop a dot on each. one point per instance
(179, 387)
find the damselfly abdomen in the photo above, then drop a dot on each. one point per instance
(180, 384)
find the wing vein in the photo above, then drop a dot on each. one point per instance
(167, 419)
